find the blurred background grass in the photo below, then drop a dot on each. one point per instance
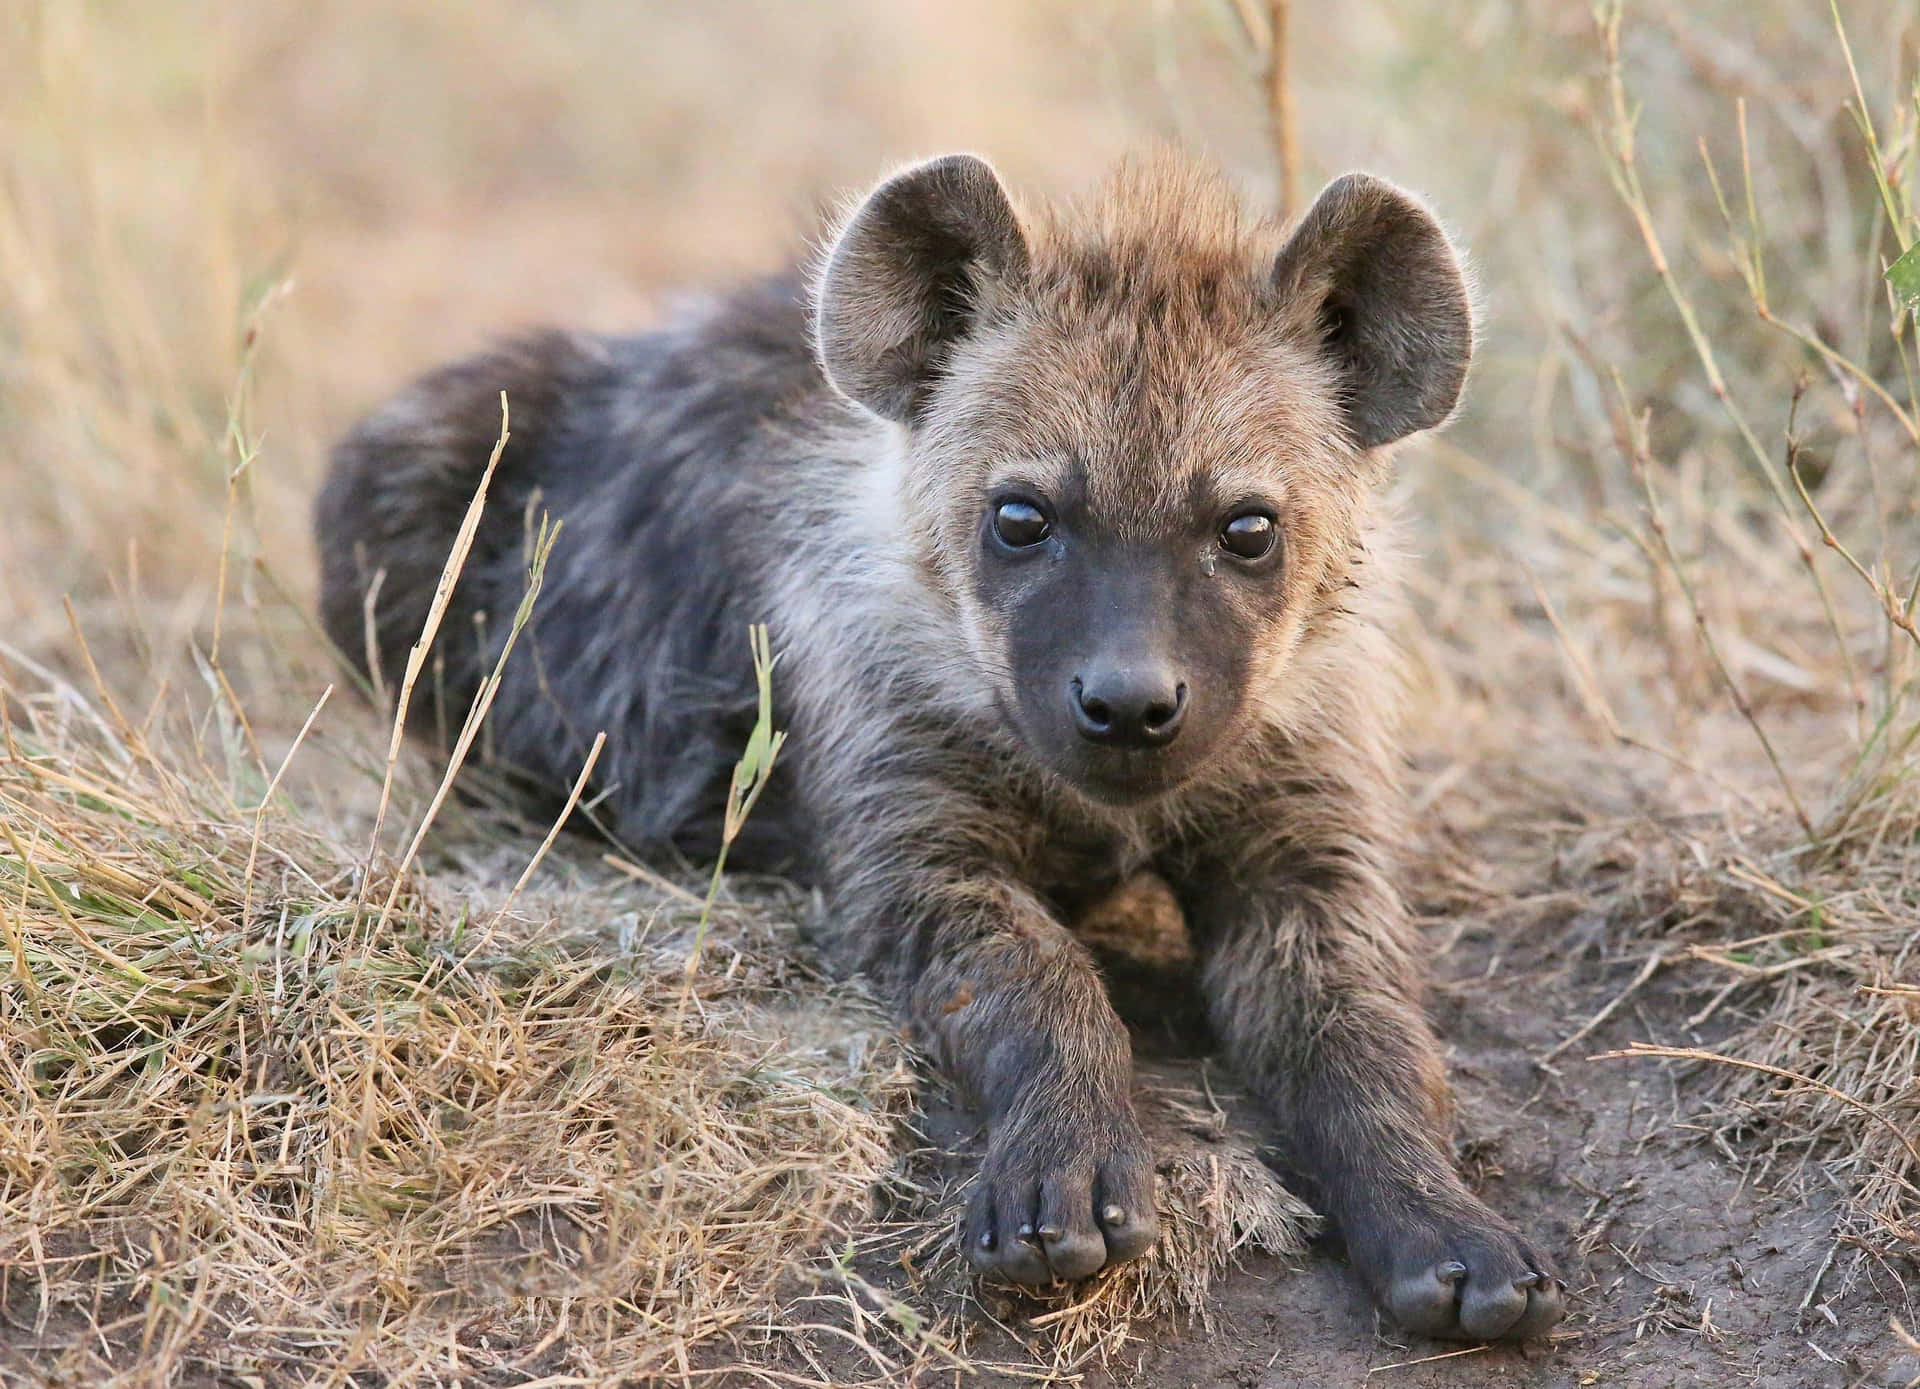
(429, 174)
(407, 180)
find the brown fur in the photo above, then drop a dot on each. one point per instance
(1142, 364)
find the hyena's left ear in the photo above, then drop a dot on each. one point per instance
(1370, 272)
(906, 277)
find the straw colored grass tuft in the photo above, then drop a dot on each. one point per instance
(249, 1135)
(1805, 980)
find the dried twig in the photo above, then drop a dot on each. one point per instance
(1266, 30)
(1640, 1049)
(430, 628)
(1647, 969)
(1282, 127)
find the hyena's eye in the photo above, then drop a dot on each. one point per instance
(1249, 535)
(1018, 523)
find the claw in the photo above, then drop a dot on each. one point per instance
(1531, 1280)
(1051, 1233)
(1451, 1271)
(1026, 1231)
(987, 1241)
(1114, 1215)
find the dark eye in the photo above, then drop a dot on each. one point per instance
(1019, 524)
(1250, 535)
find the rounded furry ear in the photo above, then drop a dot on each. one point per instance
(904, 279)
(1372, 274)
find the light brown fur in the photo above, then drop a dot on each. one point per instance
(1138, 371)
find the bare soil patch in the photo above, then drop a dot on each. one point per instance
(1691, 1261)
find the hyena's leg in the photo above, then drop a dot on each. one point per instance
(1011, 1006)
(1311, 985)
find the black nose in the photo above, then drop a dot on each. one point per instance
(1128, 708)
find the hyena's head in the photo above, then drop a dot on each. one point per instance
(1136, 439)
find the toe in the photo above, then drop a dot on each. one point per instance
(1069, 1239)
(978, 1237)
(1073, 1254)
(1123, 1205)
(1021, 1258)
(1546, 1305)
(1128, 1234)
(1002, 1241)
(1426, 1301)
(1490, 1307)
(1492, 1299)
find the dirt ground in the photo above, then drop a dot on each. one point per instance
(1682, 1273)
(1687, 1265)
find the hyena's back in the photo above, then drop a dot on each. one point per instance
(658, 453)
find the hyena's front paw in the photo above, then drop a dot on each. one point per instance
(1060, 1198)
(1458, 1271)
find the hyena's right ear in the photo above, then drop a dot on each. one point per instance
(1372, 276)
(906, 275)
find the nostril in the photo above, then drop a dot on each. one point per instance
(1095, 711)
(1163, 713)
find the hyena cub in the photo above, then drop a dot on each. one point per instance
(1064, 523)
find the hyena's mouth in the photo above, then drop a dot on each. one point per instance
(1127, 778)
(1118, 777)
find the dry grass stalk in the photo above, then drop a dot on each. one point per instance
(1284, 127)
(436, 611)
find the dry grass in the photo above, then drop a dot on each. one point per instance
(1675, 540)
(261, 1134)
(258, 1135)
(1805, 927)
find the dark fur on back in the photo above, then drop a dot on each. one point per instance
(647, 448)
(1065, 524)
